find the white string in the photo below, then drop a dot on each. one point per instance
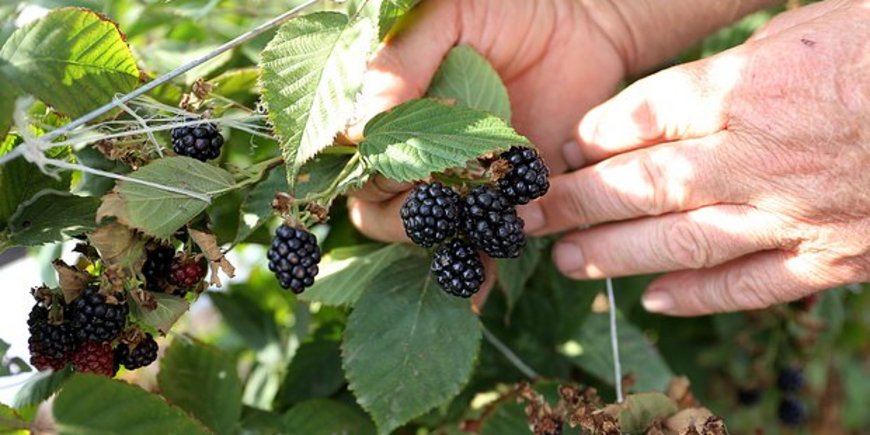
(614, 341)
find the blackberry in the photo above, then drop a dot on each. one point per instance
(527, 178)
(50, 345)
(430, 214)
(95, 319)
(791, 411)
(458, 268)
(202, 142)
(790, 379)
(491, 223)
(156, 268)
(93, 357)
(143, 354)
(186, 274)
(748, 396)
(293, 257)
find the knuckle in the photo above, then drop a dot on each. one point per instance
(569, 202)
(654, 199)
(686, 245)
(742, 290)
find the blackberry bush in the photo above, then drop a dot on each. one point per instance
(95, 319)
(430, 214)
(93, 357)
(528, 177)
(155, 270)
(491, 223)
(50, 345)
(458, 268)
(202, 142)
(293, 257)
(142, 354)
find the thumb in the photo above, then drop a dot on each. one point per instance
(684, 102)
(404, 65)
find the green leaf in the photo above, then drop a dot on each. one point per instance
(8, 94)
(73, 59)
(90, 404)
(315, 371)
(408, 346)
(13, 423)
(52, 216)
(257, 207)
(97, 185)
(247, 318)
(391, 12)
(40, 387)
(507, 418)
(326, 417)
(239, 85)
(311, 73)
(157, 212)
(467, 78)
(20, 180)
(638, 411)
(345, 273)
(169, 309)
(637, 354)
(203, 381)
(319, 175)
(513, 274)
(420, 137)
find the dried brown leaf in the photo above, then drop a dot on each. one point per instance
(72, 281)
(207, 242)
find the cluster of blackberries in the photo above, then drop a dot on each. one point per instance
(82, 334)
(294, 257)
(166, 272)
(484, 219)
(201, 141)
(791, 411)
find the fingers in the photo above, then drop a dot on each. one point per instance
(647, 182)
(379, 220)
(700, 238)
(752, 282)
(683, 102)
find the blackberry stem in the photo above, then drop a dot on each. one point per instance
(452, 180)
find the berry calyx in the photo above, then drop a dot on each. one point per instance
(293, 257)
(156, 267)
(186, 273)
(458, 268)
(97, 319)
(430, 214)
(790, 379)
(527, 178)
(202, 141)
(791, 411)
(50, 345)
(491, 223)
(142, 354)
(93, 357)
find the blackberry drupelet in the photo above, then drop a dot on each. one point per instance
(50, 345)
(491, 223)
(430, 214)
(202, 142)
(93, 357)
(527, 178)
(186, 274)
(156, 268)
(143, 354)
(293, 257)
(791, 411)
(95, 319)
(790, 379)
(458, 268)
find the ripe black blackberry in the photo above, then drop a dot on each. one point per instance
(93, 357)
(458, 268)
(202, 141)
(491, 223)
(50, 345)
(156, 268)
(293, 257)
(430, 214)
(143, 354)
(791, 411)
(749, 396)
(527, 178)
(186, 274)
(790, 379)
(96, 319)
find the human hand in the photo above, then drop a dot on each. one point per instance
(744, 174)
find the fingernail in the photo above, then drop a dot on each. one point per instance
(569, 257)
(658, 301)
(572, 155)
(533, 216)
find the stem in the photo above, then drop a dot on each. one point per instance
(614, 341)
(509, 354)
(340, 150)
(330, 191)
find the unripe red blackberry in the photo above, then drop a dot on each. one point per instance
(50, 345)
(93, 357)
(94, 318)
(155, 270)
(186, 273)
(458, 268)
(430, 214)
(202, 141)
(293, 257)
(143, 354)
(491, 223)
(527, 178)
